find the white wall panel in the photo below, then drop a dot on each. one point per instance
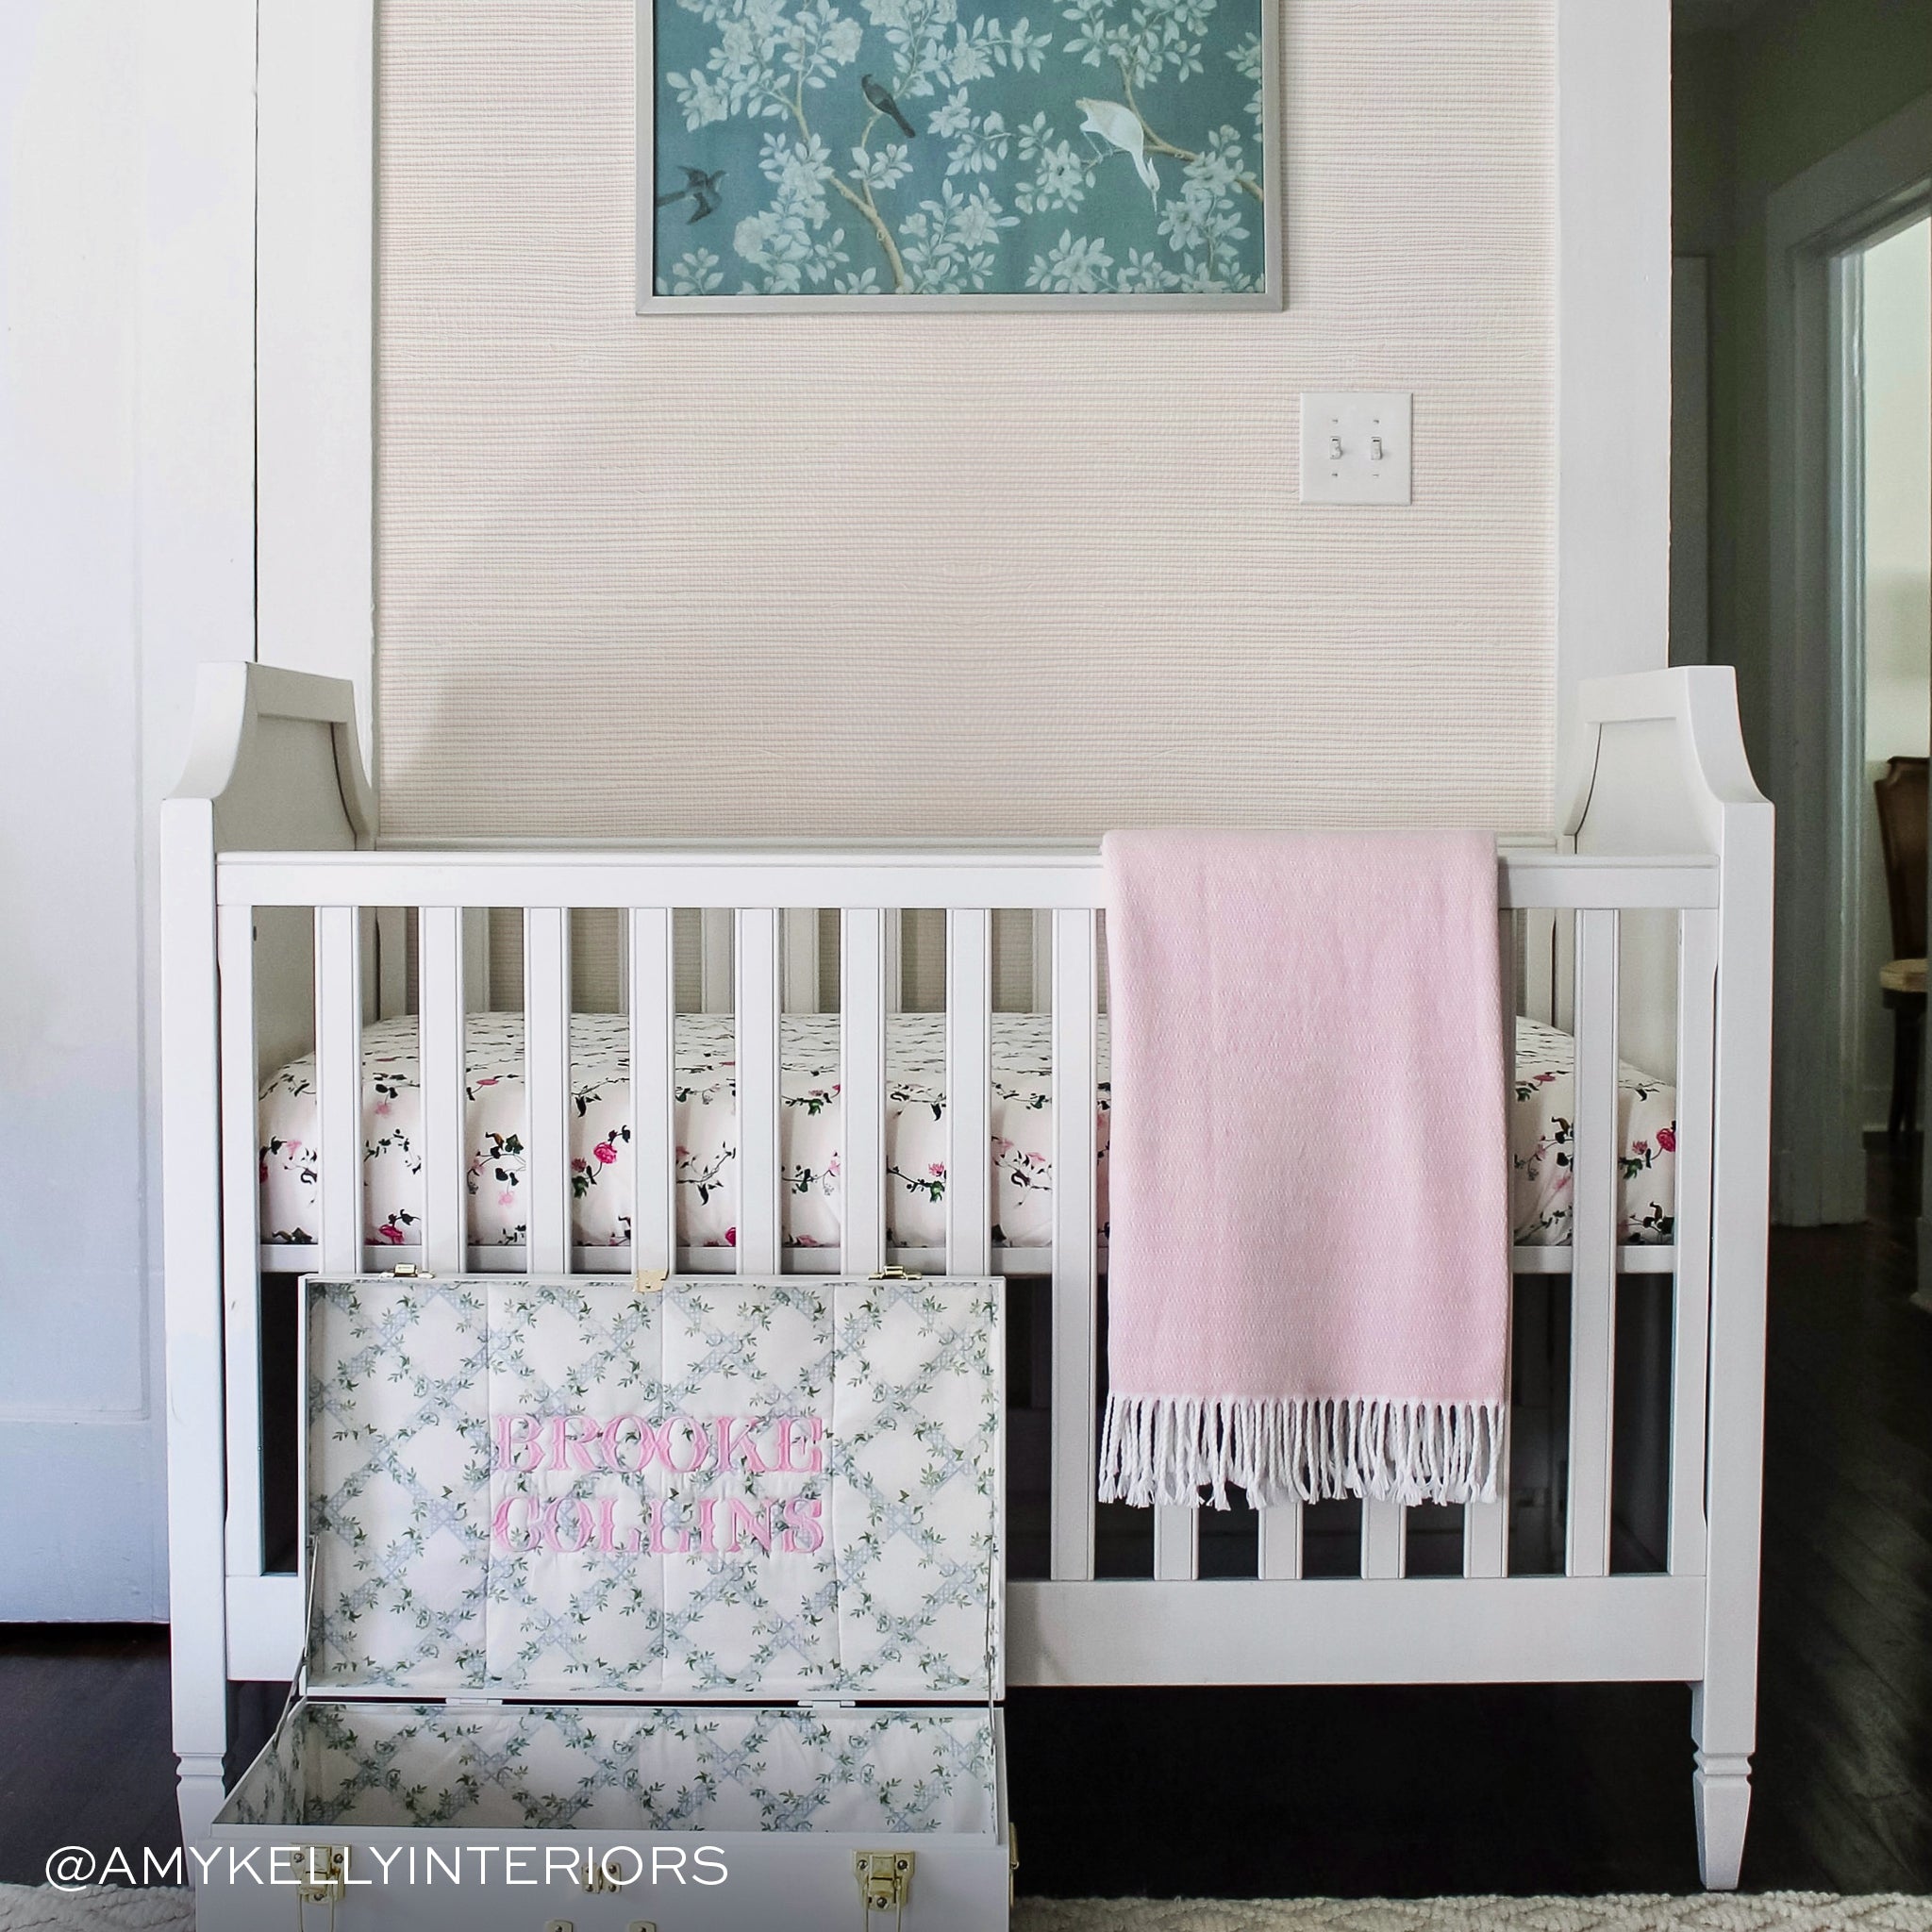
(675, 574)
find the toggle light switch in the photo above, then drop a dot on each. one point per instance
(1355, 445)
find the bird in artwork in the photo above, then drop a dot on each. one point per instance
(1120, 127)
(884, 102)
(700, 188)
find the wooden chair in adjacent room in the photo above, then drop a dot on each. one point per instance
(1901, 812)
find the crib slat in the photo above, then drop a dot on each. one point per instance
(1075, 1289)
(1594, 1246)
(440, 1006)
(1697, 1061)
(339, 1085)
(241, 1236)
(1383, 1547)
(546, 1084)
(1280, 1557)
(863, 1087)
(969, 1081)
(653, 1005)
(1176, 1542)
(758, 1110)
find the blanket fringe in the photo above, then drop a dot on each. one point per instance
(1168, 1448)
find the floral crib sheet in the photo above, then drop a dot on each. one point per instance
(602, 1174)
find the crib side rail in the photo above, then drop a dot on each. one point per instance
(1068, 1625)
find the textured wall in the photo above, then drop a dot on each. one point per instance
(966, 575)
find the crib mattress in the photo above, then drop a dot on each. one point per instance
(602, 1172)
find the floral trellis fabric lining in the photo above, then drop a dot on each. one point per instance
(1542, 1116)
(625, 1769)
(914, 147)
(429, 1577)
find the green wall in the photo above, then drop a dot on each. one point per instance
(1797, 81)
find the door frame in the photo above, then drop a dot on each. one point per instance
(1816, 760)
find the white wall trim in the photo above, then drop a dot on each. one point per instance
(1816, 754)
(194, 459)
(1613, 345)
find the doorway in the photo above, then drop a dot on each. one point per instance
(1823, 229)
(1887, 537)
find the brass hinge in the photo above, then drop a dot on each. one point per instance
(896, 1275)
(1013, 1864)
(322, 1874)
(885, 1882)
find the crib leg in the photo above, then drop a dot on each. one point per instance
(200, 1795)
(1721, 1787)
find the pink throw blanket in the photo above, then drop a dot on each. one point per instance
(1271, 1323)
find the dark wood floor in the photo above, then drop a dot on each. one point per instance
(1273, 1792)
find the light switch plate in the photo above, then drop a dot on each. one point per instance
(1355, 446)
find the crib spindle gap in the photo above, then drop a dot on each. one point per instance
(339, 1084)
(653, 998)
(1075, 1283)
(1486, 1525)
(240, 1236)
(799, 954)
(1594, 1190)
(758, 1110)
(547, 1085)
(969, 1085)
(1691, 1313)
(441, 1004)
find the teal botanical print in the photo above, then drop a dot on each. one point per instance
(926, 147)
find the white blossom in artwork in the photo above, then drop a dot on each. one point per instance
(1248, 63)
(1061, 171)
(950, 242)
(885, 169)
(698, 272)
(1144, 275)
(981, 146)
(1074, 267)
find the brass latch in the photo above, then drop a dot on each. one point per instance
(322, 1874)
(650, 1280)
(407, 1271)
(884, 1881)
(896, 1275)
(600, 1876)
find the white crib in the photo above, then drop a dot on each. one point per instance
(287, 923)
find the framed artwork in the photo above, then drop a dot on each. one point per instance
(956, 154)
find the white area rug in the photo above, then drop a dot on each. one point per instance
(108, 1909)
(1787, 1912)
(22, 1909)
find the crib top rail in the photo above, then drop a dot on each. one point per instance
(1019, 876)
